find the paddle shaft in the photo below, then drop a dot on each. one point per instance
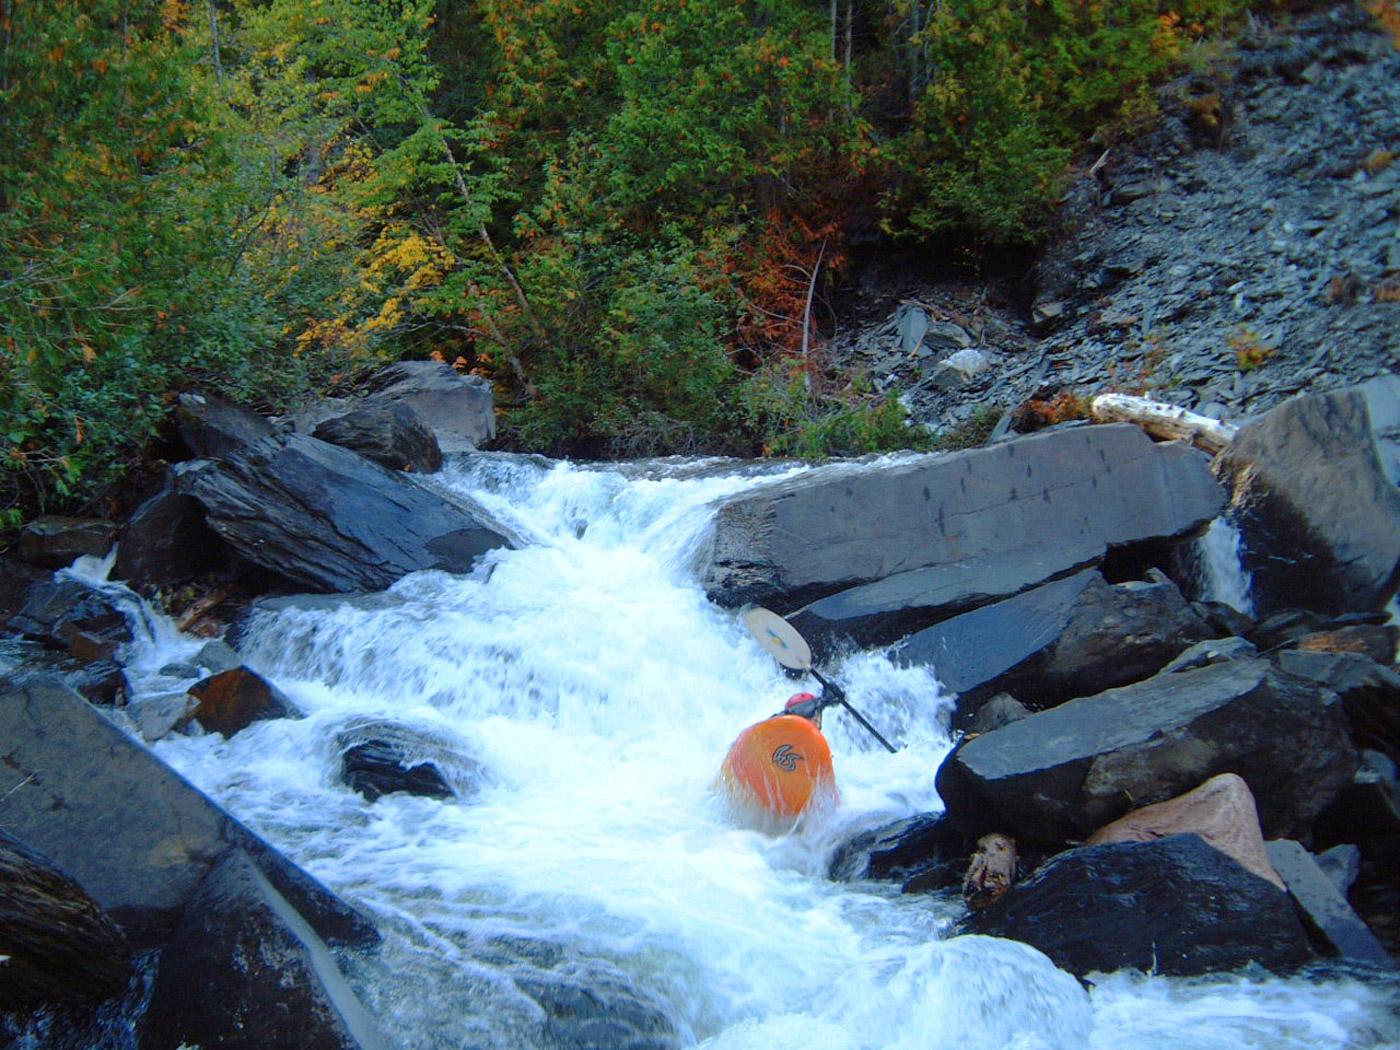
(836, 691)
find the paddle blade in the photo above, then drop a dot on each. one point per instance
(780, 638)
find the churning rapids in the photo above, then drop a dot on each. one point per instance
(581, 694)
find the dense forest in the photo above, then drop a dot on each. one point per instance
(627, 214)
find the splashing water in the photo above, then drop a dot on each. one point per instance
(588, 691)
(1223, 576)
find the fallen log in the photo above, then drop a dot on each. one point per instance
(1163, 421)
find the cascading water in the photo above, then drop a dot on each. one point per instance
(1222, 574)
(580, 694)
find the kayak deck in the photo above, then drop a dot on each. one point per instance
(778, 769)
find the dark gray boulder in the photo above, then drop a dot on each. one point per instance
(243, 971)
(1370, 693)
(460, 409)
(332, 520)
(132, 832)
(1174, 906)
(165, 543)
(1073, 493)
(379, 757)
(389, 432)
(56, 944)
(69, 615)
(1073, 637)
(970, 653)
(923, 853)
(53, 542)
(213, 428)
(1059, 775)
(878, 613)
(376, 768)
(1319, 517)
(1328, 915)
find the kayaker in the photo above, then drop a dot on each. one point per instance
(780, 767)
(804, 705)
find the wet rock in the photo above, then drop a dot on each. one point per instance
(924, 853)
(136, 836)
(165, 543)
(376, 768)
(331, 520)
(1320, 520)
(231, 701)
(69, 615)
(58, 945)
(56, 542)
(388, 432)
(1060, 774)
(378, 757)
(243, 972)
(1174, 906)
(584, 1002)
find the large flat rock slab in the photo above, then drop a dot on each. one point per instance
(331, 519)
(1072, 492)
(136, 836)
(1057, 776)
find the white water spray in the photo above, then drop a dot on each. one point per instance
(1223, 576)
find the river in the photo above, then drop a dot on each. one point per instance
(580, 694)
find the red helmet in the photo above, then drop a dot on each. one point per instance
(798, 698)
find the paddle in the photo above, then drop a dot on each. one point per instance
(790, 649)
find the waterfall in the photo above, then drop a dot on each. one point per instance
(1223, 577)
(584, 691)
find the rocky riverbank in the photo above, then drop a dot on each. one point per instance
(1245, 250)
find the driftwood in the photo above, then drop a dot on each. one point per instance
(991, 871)
(1163, 420)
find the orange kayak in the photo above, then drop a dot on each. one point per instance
(777, 769)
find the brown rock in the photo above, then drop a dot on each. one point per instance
(1221, 811)
(233, 700)
(1374, 640)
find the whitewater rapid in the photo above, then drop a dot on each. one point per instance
(580, 694)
